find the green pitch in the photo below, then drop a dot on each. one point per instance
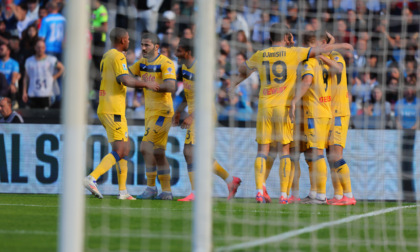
(30, 223)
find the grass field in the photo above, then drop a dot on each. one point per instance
(30, 223)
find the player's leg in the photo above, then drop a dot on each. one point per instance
(116, 138)
(122, 170)
(316, 131)
(146, 149)
(338, 189)
(294, 178)
(188, 154)
(159, 136)
(337, 144)
(264, 135)
(232, 182)
(272, 154)
(284, 172)
(260, 169)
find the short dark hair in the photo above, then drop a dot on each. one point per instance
(153, 37)
(308, 37)
(277, 32)
(187, 45)
(117, 34)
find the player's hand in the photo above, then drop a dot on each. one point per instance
(322, 57)
(292, 112)
(331, 37)
(25, 97)
(187, 122)
(153, 86)
(175, 119)
(349, 47)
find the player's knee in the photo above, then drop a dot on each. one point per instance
(187, 153)
(145, 149)
(159, 154)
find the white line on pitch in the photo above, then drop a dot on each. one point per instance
(284, 236)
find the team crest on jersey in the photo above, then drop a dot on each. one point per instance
(306, 66)
(169, 69)
(124, 66)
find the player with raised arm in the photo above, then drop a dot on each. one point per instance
(277, 68)
(111, 112)
(158, 117)
(340, 108)
(185, 55)
(315, 89)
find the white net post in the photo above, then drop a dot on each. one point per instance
(72, 202)
(205, 48)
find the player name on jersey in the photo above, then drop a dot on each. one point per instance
(274, 54)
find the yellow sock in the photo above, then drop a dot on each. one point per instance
(122, 174)
(343, 173)
(191, 175)
(320, 170)
(284, 170)
(291, 177)
(106, 163)
(259, 169)
(296, 177)
(268, 165)
(311, 175)
(218, 169)
(151, 174)
(338, 189)
(165, 180)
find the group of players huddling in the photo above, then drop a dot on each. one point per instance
(315, 74)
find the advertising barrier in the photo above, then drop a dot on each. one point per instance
(31, 159)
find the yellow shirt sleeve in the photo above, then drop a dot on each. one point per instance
(302, 53)
(254, 61)
(337, 57)
(168, 70)
(135, 68)
(307, 68)
(120, 65)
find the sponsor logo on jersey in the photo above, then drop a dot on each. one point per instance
(102, 92)
(325, 99)
(274, 90)
(124, 66)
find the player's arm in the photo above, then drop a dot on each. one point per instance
(60, 70)
(168, 86)
(181, 107)
(133, 82)
(335, 67)
(300, 92)
(13, 84)
(327, 48)
(244, 72)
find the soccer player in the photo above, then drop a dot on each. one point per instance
(340, 108)
(158, 117)
(111, 112)
(277, 67)
(315, 89)
(185, 55)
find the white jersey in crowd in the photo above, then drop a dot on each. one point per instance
(40, 73)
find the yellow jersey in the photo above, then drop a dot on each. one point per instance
(158, 70)
(112, 93)
(340, 95)
(317, 100)
(188, 74)
(277, 68)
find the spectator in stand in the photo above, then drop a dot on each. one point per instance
(52, 30)
(411, 80)
(252, 13)
(33, 10)
(42, 13)
(29, 39)
(147, 18)
(4, 34)
(9, 18)
(362, 88)
(169, 21)
(242, 45)
(225, 29)
(99, 28)
(292, 17)
(10, 69)
(407, 113)
(42, 71)
(375, 106)
(391, 94)
(261, 31)
(188, 33)
(7, 113)
(410, 65)
(249, 88)
(343, 35)
(360, 56)
(237, 21)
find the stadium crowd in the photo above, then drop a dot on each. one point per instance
(383, 71)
